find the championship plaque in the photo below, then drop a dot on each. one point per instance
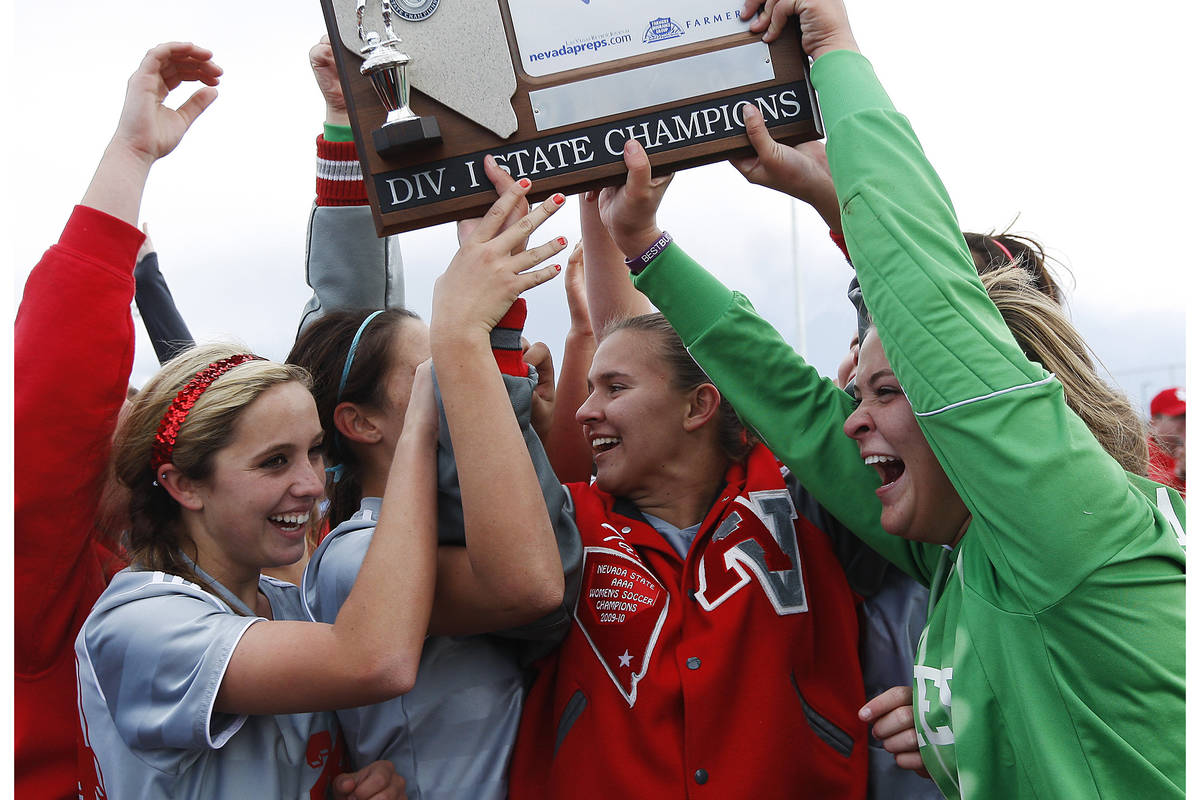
(552, 89)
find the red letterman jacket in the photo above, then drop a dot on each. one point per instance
(732, 673)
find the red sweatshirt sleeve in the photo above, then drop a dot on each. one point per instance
(73, 354)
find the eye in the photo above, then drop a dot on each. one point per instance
(275, 461)
(885, 392)
(613, 388)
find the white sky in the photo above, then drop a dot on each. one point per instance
(1073, 121)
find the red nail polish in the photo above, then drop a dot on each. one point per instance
(557, 268)
(562, 241)
(559, 199)
(525, 183)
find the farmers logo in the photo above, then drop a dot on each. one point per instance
(660, 30)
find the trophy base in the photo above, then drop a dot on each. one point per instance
(395, 137)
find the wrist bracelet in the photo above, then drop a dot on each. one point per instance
(636, 265)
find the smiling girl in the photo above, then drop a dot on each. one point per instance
(714, 640)
(1052, 664)
(195, 679)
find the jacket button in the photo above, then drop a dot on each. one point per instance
(701, 777)
(693, 663)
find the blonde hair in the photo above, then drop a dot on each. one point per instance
(1046, 335)
(154, 539)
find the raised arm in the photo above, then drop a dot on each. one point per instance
(512, 565)
(72, 356)
(569, 451)
(798, 413)
(371, 651)
(346, 264)
(168, 332)
(73, 345)
(610, 293)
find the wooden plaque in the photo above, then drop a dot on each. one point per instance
(675, 82)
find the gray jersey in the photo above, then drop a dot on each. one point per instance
(451, 735)
(150, 659)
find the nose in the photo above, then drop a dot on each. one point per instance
(588, 412)
(310, 482)
(858, 424)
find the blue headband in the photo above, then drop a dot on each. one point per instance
(337, 469)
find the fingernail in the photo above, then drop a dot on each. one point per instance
(559, 199)
(864, 713)
(557, 268)
(562, 241)
(525, 183)
(589, 195)
(488, 158)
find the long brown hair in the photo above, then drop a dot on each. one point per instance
(322, 349)
(1046, 335)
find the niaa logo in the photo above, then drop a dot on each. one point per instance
(661, 29)
(415, 10)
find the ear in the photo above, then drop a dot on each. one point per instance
(182, 489)
(704, 402)
(355, 424)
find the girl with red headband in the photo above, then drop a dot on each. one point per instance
(196, 676)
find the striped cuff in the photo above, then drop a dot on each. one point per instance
(339, 175)
(506, 341)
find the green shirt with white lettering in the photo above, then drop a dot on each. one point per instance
(1052, 664)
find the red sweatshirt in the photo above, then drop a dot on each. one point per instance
(73, 354)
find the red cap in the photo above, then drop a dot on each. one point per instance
(1169, 402)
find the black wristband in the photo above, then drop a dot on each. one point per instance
(636, 265)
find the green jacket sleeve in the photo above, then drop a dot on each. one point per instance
(793, 409)
(1048, 505)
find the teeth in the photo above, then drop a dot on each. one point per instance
(869, 460)
(600, 441)
(290, 519)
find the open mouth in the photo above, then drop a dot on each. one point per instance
(889, 468)
(290, 522)
(602, 444)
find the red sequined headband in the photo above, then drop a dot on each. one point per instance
(168, 429)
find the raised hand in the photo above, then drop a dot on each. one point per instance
(490, 270)
(824, 25)
(629, 211)
(801, 171)
(320, 58)
(148, 128)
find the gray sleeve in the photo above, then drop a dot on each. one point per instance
(347, 265)
(159, 660)
(331, 573)
(554, 625)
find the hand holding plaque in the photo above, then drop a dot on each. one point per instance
(552, 90)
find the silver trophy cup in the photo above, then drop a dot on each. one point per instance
(385, 64)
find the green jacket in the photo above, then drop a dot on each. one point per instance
(1052, 664)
